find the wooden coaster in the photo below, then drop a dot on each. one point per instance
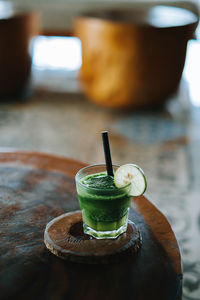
(65, 238)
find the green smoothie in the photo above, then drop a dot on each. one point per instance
(104, 206)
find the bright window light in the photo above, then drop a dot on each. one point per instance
(63, 53)
(192, 71)
(6, 10)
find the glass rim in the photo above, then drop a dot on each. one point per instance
(98, 189)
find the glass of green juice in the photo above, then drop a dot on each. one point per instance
(104, 206)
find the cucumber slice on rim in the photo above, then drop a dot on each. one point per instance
(131, 173)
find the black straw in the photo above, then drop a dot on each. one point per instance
(106, 147)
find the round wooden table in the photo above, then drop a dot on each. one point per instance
(35, 188)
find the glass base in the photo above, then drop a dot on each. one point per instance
(113, 234)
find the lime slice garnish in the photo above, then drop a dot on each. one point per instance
(133, 174)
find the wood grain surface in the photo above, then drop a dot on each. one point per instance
(35, 188)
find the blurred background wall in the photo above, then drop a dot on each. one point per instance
(58, 15)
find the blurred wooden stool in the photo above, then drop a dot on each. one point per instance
(16, 30)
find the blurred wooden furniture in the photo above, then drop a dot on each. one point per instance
(133, 58)
(16, 31)
(35, 188)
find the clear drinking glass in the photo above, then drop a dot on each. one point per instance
(104, 208)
